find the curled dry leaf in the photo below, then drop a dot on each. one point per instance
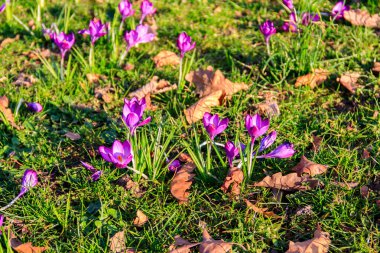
(308, 167)
(207, 81)
(104, 93)
(364, 191)
(7, 113)
(197, 110)
(95, 78)
(182, 182)
(376, 67)
(166, 58)
(117, 243)
(140, 219)
(209, 245)
(20, 247)
(319, 244)
(128, 184)
(362, 18)
(25, 80)
(233, 181)
(185, 245)
(263, 211)
(155, 86)
(313, 79)
(316, 143)
(289, 182)
(7, 41)
(269, 108)
(350, 81)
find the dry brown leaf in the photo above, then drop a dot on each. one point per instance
(140, 219)
(182, 182)
(289, 182)
(72, 136)
(263, 211)
(350, 81)
(185, 245)
(34, 55)
(104, 93)
(117, 243)
(209, 245)
(376, 67)
(316, 142)
(25, 80)
(197, 110)
(4, 103)
(319, 244)
(7, 41)
(207, 81)
(155, 86)
(234, 179)
(348, 185)
(308, 167)
(95, 78)
(313, 79)
(20, 247)
(364, 191)
(306, 210)
(362, 18)
(129, 66)
(149, 105)
(269, 108)
(166, 58)
(366, 154)
(128, 184)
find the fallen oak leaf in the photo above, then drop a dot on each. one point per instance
(7, 41)
(20, 247)
(140, 219)
(95, 78)
(350, 81)
(155, 86)
(117, 243)
(289, 182)
(312, 79)
(185, 245)
(166, 58)
(316, 142)
(362, 18)
(233, 181)
(6, 112)
(263, 211)
(182, 182)
(209, 245)
(319, 244)
(308, 167)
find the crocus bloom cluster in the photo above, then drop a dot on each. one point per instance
(138, 36)
(34, 107)
(339, 9)
(308, 17)
(267, 29)
(126, 9)
(96, 29)
(291, 25)
(288, 4)
(133, 111)
(63, 41)
(119, 154)
(231, 152)
(184, 43)
(214, 125)
(256, 126)
(146, 8)
(96, 174)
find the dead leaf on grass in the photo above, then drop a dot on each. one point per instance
(35, 55)
(347, 185)
(263, 211)
(312, 79)
(155, 86)
(25, 80)
(7, 41)
(316, 142)
(233, 181)
(104, 93)
(166, 58)
(140, 219)
(350, 81)
(20, 247)
(362, 18)
(184, 244)
(95, 78)
(7, 113)
(289, 182)
(117, 243)
(182, 182)
(269, 108)
(128, 184)
(129, 66)
(319, 244)
(308, 167)
(376, 67)
(209, 245)
(364, 191)
(72, 136)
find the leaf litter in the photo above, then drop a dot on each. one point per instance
(320, 243)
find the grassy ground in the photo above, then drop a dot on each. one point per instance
(71, 214)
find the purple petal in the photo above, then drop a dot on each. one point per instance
(29, 180)
(145, 121)
(117, 147)
(88, 166)
(1, 222)
(105, 152)
(2, 7)
(127, 147)
(96, 175)
(285, 150)
(34, 107)
(267, 141)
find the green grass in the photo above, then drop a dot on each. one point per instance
(70, 214)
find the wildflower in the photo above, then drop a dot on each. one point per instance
(288, 4)
(96, 30)
(34, 107)
(96, 174)
(268, 140)
(285, 150)
(126, 9)
(146, 8)
(267, 29)
(213, 125)
(339, 9)
(173, 165)
(291, 25)
(2, 7)
(119, 154)
(138, 36)
(308, 17)
(231, 152)
(184, 43)
(63, 41)
(133, 111)
(256, 126)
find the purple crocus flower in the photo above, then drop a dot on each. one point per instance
(339, 9)
(96, 174)
(288, 4)
(2, 7)
(214, 125)
(1, 222)
(173, 165)
(231, 152)
(133, 111)
(285, 150)
(184, 43)
(119, 154)
(291, 26)
(138, 36)
(96, 29)
(267, 29)
(268, 140)
(63, 41)
(34, 107)
(256, 126)
(146, 8)
(308, 17)
(126, 9)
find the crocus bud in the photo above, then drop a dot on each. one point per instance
(29, 180)
(288, 4)
(174, 165)
(231, 152)
(213, 125)
(285, 150)
(34, 107)
(184, 43)
(256, 126)
(96, 29)
(2, 7)
(119, 154)
(63, 41)
(267, 141)
(267, 29)
(126, 9)
(96, 174)
(339, 9)
(146, 8)
(133, 111)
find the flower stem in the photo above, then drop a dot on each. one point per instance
(249, 170)
(123, 57)
(11, 203)
(268, 48)
(138, 172)
(91, 56)
(121, 27)
(208, 157)
(180, 76)
(62, 66)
